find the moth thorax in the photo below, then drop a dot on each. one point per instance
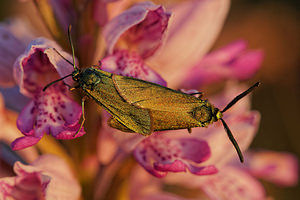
(89, 79)
(203, 114)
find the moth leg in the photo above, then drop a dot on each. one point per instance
(69, 86)
(83, 115)
(112, 122)
(189, 130)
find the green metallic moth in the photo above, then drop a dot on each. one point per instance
(144, 107)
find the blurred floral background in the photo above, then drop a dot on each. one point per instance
(270, 25)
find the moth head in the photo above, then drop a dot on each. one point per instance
(75, 74)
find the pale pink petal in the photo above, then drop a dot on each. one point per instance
(38, 66)
(192, 30)
(231, 90)
(51, 112)
(141, 27)
(230, 62)
(62, 67)
(26, 185)
(234, 184)
(127, 63)
(160, 155)
(243, 127)
(277, 167)
(63, 184)
(41, 180)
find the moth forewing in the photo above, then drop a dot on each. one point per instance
(102, 90)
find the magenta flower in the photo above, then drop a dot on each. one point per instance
(141, 28)
(40, 180)
(159, 155)
(53, 111)
(233, 180)
(230, 62)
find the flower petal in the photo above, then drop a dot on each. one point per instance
(277, 167)
(130, 64)
(51, 112)
(231, 183)
(230, 62)
(41, 180)
(192, 30)
(33, 70)
(141, 27)
(24, 142)
(160, 155)
(27, 185)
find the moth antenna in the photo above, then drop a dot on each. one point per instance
(240, 96)
(63, 57)
(55, 82)
(233, 141)
(72, 46)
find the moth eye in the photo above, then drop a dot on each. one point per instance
(202, 114)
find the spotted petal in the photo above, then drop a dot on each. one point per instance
(231, 183)
(160, 155)
(50, 112)
(127, 63)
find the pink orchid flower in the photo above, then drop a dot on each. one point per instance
(40, 180)
(233, 180)
(51, 111)
(140, 30)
